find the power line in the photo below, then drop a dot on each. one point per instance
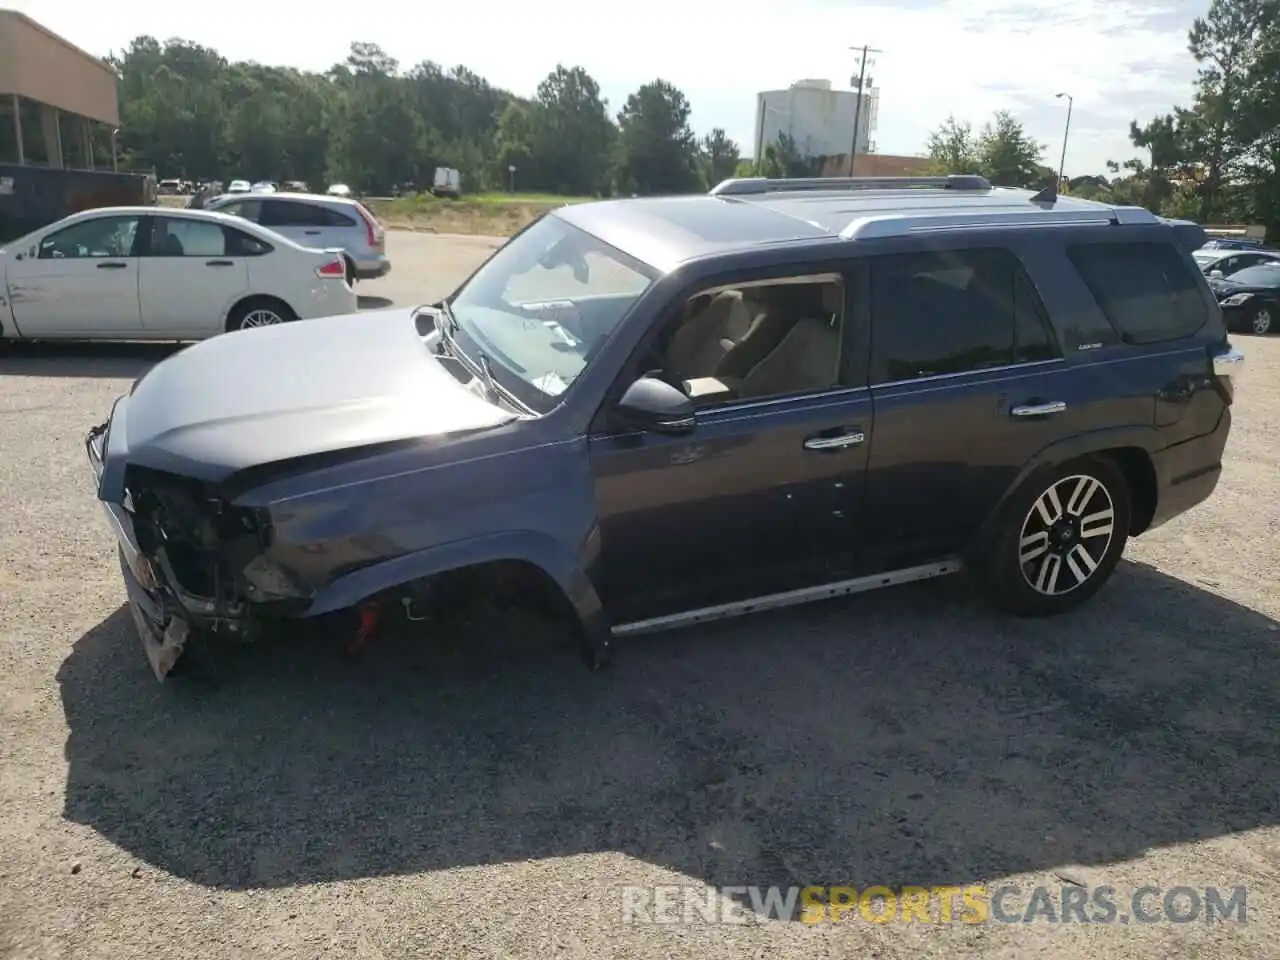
(863, 59)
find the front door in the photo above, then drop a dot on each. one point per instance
(761, 497)
(188, 279)
(80, 281)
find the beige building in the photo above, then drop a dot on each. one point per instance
(58, 104)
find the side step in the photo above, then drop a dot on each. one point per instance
(790, 598)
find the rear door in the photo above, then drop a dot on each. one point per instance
(968, 384)
(190, 277)
(79, 281)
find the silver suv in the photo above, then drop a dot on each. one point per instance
(318, 221)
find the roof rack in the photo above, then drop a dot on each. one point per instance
(901, 225)
(754, 186)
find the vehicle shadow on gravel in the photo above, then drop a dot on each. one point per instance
(907, 737)
(119, 361)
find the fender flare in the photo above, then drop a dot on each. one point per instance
(538, 549)
(1142, 437)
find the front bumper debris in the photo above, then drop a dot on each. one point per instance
(163, 637)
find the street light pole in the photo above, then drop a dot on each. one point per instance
(1062, 164)
(863, 55)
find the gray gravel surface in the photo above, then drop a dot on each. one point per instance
(492, 802)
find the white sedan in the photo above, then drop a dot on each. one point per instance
(150, 273)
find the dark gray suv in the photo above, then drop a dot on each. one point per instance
(644, 413)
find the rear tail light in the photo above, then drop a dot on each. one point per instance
(372, 229)
(1228, 364)
(333, 270)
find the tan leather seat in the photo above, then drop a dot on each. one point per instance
(806, 359)
(701, 343)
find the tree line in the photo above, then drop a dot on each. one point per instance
(187, 111)
(1215, 160)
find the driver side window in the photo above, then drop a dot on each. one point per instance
(756, 341)
(97, 238)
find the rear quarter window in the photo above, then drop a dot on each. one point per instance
(1147, 290)
(336, 218)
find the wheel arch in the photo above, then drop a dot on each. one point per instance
(249, 300)
(523, 558)
(1129, 447)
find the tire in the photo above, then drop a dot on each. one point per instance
(1036, 568)
(1262, 322)
(263, 312)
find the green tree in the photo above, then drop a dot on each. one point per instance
(953, 148)
(658, 152)
(1235, 46)
(720, 156)
(572, 135)
(1007, 156)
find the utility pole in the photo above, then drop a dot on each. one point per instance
(860, 89)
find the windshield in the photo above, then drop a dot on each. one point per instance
(1263, 275)
(543, 305)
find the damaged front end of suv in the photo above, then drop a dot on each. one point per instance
(194, 563)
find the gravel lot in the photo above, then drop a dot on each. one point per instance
(424, 806)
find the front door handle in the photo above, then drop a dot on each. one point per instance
(1039, 409)
(841, 442)
(112, 265)
(218, 263)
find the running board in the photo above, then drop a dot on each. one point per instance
(790, 598)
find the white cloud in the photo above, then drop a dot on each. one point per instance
(1120, 59)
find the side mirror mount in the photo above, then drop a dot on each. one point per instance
(656, 406)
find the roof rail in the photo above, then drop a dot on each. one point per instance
(754, 186)
(901, 225)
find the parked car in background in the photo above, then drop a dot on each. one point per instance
(295, 186)
(133, 273)
(447, 183)
(318, 220)
(1232, 243)
(263, 186)
(1250, 298)
(644, 414)
(238, 186)
(338, 190)
(1224, 263)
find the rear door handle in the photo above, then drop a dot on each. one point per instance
(218, 263)
(112, 265)
(841, 442)
(312, 233)
(1039, 409)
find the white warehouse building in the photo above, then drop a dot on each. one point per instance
(818, 119)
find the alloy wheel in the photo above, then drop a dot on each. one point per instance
(1066, 534)
(260, 317)
(1262, 320)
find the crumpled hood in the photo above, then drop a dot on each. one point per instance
(275, 393)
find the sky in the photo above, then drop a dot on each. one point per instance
(1119, 59)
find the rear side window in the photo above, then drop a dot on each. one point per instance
(954, 312)
(1147, 290)
(240, 244)
(335, 218)
(290, 213)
